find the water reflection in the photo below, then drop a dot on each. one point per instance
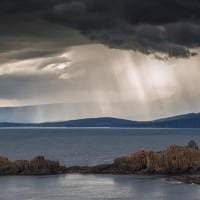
(75, 187)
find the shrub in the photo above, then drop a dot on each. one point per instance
(192, 144)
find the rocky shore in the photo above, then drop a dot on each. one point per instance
(37, 166)
(174, 160)
(186, 179)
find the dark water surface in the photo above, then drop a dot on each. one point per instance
(89, 147)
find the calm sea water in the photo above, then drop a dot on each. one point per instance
(89, 147)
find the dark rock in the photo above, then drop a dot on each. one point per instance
(173, 160)
(186, 179)
(37, 166)
(192, 144)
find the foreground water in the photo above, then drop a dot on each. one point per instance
(101, 187)
(89, 147)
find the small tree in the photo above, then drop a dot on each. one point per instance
(192, 144)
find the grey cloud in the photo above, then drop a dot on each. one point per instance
(152, 39)
(30, 86)
(31, 29)
(53, 60)
(134, 11)
(147, 26)
(35, 39)
(168, 26)
(131, 11)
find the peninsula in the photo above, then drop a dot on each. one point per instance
(191, 120)
(174, 160)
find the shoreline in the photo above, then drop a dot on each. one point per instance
(178, 163)
(98, 127)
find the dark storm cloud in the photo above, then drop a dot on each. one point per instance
(91, 12)
(12, 6)
(149, 26)
(152, 26)
(24, 37)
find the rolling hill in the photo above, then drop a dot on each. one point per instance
(191, 120)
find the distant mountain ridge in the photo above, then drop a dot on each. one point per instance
(191, 120)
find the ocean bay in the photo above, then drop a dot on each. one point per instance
(90, 147)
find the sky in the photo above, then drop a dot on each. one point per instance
(134, 59)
